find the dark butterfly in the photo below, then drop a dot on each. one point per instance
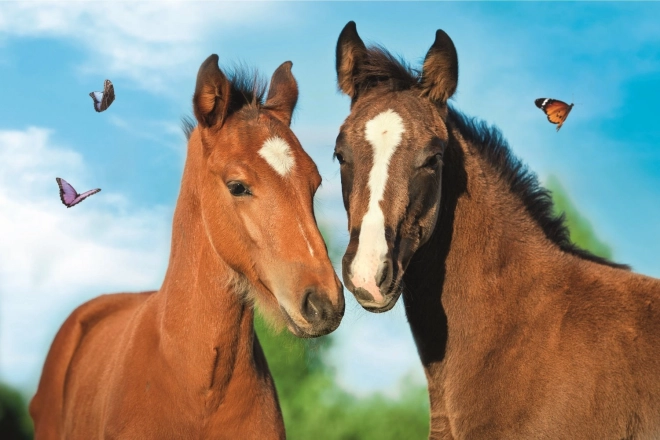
(70, 196)
(556, 110)
(102, 100)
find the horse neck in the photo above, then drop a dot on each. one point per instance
(486, 257)
(206, 326)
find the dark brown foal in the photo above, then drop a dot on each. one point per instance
(522, 335)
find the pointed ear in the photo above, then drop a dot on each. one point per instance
(282, 93)
(440, 71)
(351, 53)
(212, 94)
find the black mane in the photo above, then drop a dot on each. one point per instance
(382, 68)
(522, 181)
(248, 88)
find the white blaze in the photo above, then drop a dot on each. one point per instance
(278, 155)
(384, 134)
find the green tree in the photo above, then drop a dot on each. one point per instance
(581, 230)
(314, 407)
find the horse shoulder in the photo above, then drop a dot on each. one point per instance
(47, 406)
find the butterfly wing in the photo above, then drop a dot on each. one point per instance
(108, 94)
(541, 102)
(557, 111)
(102, 100)
(98, 98)
(83, 196)
(69, 195)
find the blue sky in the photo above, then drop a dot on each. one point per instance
(605, 57)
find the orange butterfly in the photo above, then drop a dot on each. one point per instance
(556, 110)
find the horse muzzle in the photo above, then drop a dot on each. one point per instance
(316, 314)
(377, 293)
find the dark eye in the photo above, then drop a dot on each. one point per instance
(237, 189)
(339, 158)
(433, 161)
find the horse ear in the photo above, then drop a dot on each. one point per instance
(212, 94)
(351, 53)
(282, 93)
(440, 71)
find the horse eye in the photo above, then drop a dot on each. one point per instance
(237, 189)
(339, 158)
(433, 161)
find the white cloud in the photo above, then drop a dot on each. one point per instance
(150, 43)
(53, 258)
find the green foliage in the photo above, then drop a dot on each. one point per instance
(581, 231)
(314, 407)
(15, 422)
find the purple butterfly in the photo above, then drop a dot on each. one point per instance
(70, 196)
(102, 100)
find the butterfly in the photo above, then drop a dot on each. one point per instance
(102, 100)
(556, 110)
(70, 196)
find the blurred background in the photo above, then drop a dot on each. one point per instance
(363, 381)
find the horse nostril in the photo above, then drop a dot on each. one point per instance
(383, 273)
(315, 308)
(362, 294)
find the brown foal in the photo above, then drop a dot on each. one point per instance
(184, 362)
